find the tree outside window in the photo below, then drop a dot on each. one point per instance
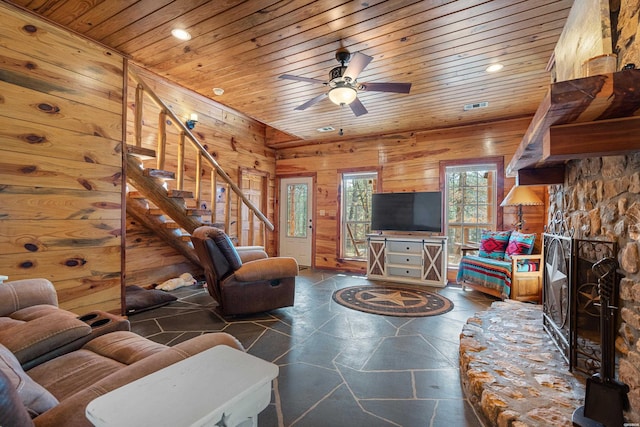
(357, 189)
(471, 204)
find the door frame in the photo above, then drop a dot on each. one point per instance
(314, 184)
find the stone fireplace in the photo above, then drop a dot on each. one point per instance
(600, 201)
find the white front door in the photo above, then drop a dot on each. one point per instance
(296, 216)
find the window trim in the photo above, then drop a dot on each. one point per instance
(378, 189)
(498, 161)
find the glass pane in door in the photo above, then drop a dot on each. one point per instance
(297, 210)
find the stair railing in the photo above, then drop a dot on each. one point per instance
(143, 89)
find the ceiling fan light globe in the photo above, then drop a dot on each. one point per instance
(342, 95)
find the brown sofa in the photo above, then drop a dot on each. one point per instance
(243, 282)
(56, 392)
(53, 363)
(35, 329)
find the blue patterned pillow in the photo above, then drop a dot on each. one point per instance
(519, 244)
(494, 244)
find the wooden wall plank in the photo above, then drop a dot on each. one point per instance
(18, 169)
(38, 203)
(57, 265)
(61, 161)
(34, 139)
(24, 103)
(24, 70)
(19, 236)
(46, 42)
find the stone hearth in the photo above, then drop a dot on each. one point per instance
(511, 370)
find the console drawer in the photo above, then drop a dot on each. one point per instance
(402, 259)
(404, 272)
(405, 247)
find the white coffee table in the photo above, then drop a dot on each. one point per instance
(219, 387)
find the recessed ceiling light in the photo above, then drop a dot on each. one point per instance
(181, 34)
(218, 91)
(494, 68)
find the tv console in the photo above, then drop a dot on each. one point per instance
(420, 260)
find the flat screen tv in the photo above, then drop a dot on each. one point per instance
(421, 211)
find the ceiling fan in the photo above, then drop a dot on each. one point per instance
(343, 83)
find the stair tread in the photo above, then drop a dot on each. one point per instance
(158, 173)
(141, 152)
(180, 194)
(198, 212)
(135, 195)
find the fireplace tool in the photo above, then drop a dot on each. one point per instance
(606, 398)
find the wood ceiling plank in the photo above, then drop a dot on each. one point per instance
(134, 12)
(214, 31)
(186, 21)
(67, 12)
(98, 14)
(166, 18)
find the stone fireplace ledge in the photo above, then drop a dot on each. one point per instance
(512, 372)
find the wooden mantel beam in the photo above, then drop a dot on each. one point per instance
(592, 139)
(587, 117)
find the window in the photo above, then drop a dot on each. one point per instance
(297, 210)
(357, 189)
(471, 200)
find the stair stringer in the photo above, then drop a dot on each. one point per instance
(138, 209)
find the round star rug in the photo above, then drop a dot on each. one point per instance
(393, 300)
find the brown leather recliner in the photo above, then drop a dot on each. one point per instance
(247, 281)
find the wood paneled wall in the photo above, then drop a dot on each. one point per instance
(61, 175)
(236, 142)
(409, 162)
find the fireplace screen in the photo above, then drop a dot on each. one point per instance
(571, 302)
(587, 354)
(556, 293)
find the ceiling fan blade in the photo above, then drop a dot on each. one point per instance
(357, 108)
(310, 102)
(356, 64)
(385, 87)
(301, 79)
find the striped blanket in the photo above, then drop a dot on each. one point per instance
(487, 272)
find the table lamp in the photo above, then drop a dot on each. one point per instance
(520, 196)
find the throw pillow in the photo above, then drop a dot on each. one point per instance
(34, 397)
(519, 244)
(494, 244)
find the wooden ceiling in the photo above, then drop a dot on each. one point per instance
(442, 47)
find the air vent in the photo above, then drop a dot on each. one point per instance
(468, 107)
(326, 129)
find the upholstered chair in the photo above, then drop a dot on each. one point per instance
(245, 281)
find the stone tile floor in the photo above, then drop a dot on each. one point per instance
(340, 367)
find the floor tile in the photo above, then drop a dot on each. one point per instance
(337, 366)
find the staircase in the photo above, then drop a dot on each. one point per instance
(165, 211)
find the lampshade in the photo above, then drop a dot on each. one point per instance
(521, 196)
(342, 95)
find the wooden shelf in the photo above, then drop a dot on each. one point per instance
(589, 117)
